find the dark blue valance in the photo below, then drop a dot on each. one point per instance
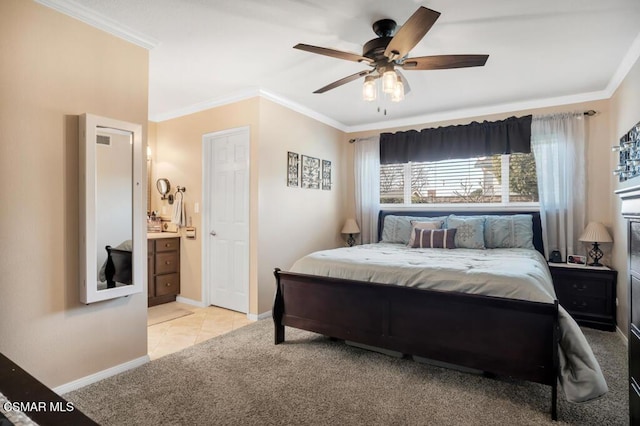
(453, 142)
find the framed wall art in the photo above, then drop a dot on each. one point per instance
(310, 172)
(326, 175)
(293, 169)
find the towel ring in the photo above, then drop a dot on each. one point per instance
(179, 190)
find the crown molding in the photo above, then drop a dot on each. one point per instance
(389, 124)
(90, 17)
(208, 104)
(247, 94)
(629, 60)
(287, 103)
(481, 111)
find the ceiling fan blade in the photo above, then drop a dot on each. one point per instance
(411, 33)
(333, 53)
(405, 82)
(344, 81)
(443, 62)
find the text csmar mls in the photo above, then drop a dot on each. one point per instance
(39, 406)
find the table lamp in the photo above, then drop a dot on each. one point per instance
(350, 227)
(595, 233)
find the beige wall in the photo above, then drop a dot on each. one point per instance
(178, 157)
(625, 113)
(278, 215)
(53, 68)
(295, 221)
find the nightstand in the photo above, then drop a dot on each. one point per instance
(588, 293)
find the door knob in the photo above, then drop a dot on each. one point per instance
(212, 233)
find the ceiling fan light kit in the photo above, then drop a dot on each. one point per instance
(369, 89)
(389, 79)
(398, 91)
(388, 51)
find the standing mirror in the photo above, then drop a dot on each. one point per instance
(112, 211)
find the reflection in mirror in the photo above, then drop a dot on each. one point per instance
(114, 207)
(112, 259)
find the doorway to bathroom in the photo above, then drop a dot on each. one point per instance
(225, 251)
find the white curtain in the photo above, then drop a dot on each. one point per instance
(367, 187)
(558, 144)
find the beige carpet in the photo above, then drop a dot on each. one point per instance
(165, 312)
(242, 378)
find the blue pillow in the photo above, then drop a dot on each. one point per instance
(470, 231)
(510, 231)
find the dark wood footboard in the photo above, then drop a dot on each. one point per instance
(506, 337)
(118, 267)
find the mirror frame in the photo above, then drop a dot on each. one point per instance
(163, 193)
(88, 129)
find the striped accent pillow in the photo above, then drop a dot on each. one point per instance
(430, 224)
(434, 238)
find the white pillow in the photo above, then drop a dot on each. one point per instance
(423, 224)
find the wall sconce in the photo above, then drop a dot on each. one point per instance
(628, 155)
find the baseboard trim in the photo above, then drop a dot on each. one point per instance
(264, 315)
(191, 302)
(101, 375)
(252, 317)
(622, 336)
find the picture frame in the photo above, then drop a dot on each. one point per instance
(310, 174)
(326, 175)
(293, 169)
(576, 259)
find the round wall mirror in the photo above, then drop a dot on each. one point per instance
(163, 186)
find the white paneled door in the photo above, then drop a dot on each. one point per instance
(226, 219)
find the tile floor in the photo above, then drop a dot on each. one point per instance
(172, 336)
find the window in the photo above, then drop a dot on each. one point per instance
(497, 179)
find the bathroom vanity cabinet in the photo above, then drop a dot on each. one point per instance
(163, 263)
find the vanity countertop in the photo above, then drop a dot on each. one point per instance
(156, 235)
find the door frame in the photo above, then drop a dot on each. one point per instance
(207, 172)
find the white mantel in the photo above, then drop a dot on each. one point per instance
(630, 197)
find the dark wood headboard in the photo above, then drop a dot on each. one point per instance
(537, 224)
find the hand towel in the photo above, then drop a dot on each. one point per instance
(179, 216)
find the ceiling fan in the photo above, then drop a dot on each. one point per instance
(388, 52)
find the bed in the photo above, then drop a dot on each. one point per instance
(117, 268)
(423, 315)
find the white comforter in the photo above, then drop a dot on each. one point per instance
(512, 273)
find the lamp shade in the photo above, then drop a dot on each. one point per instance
(350, 227)
(595, 232)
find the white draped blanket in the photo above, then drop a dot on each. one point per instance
(511, 273)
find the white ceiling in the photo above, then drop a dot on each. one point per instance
(207, 52)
